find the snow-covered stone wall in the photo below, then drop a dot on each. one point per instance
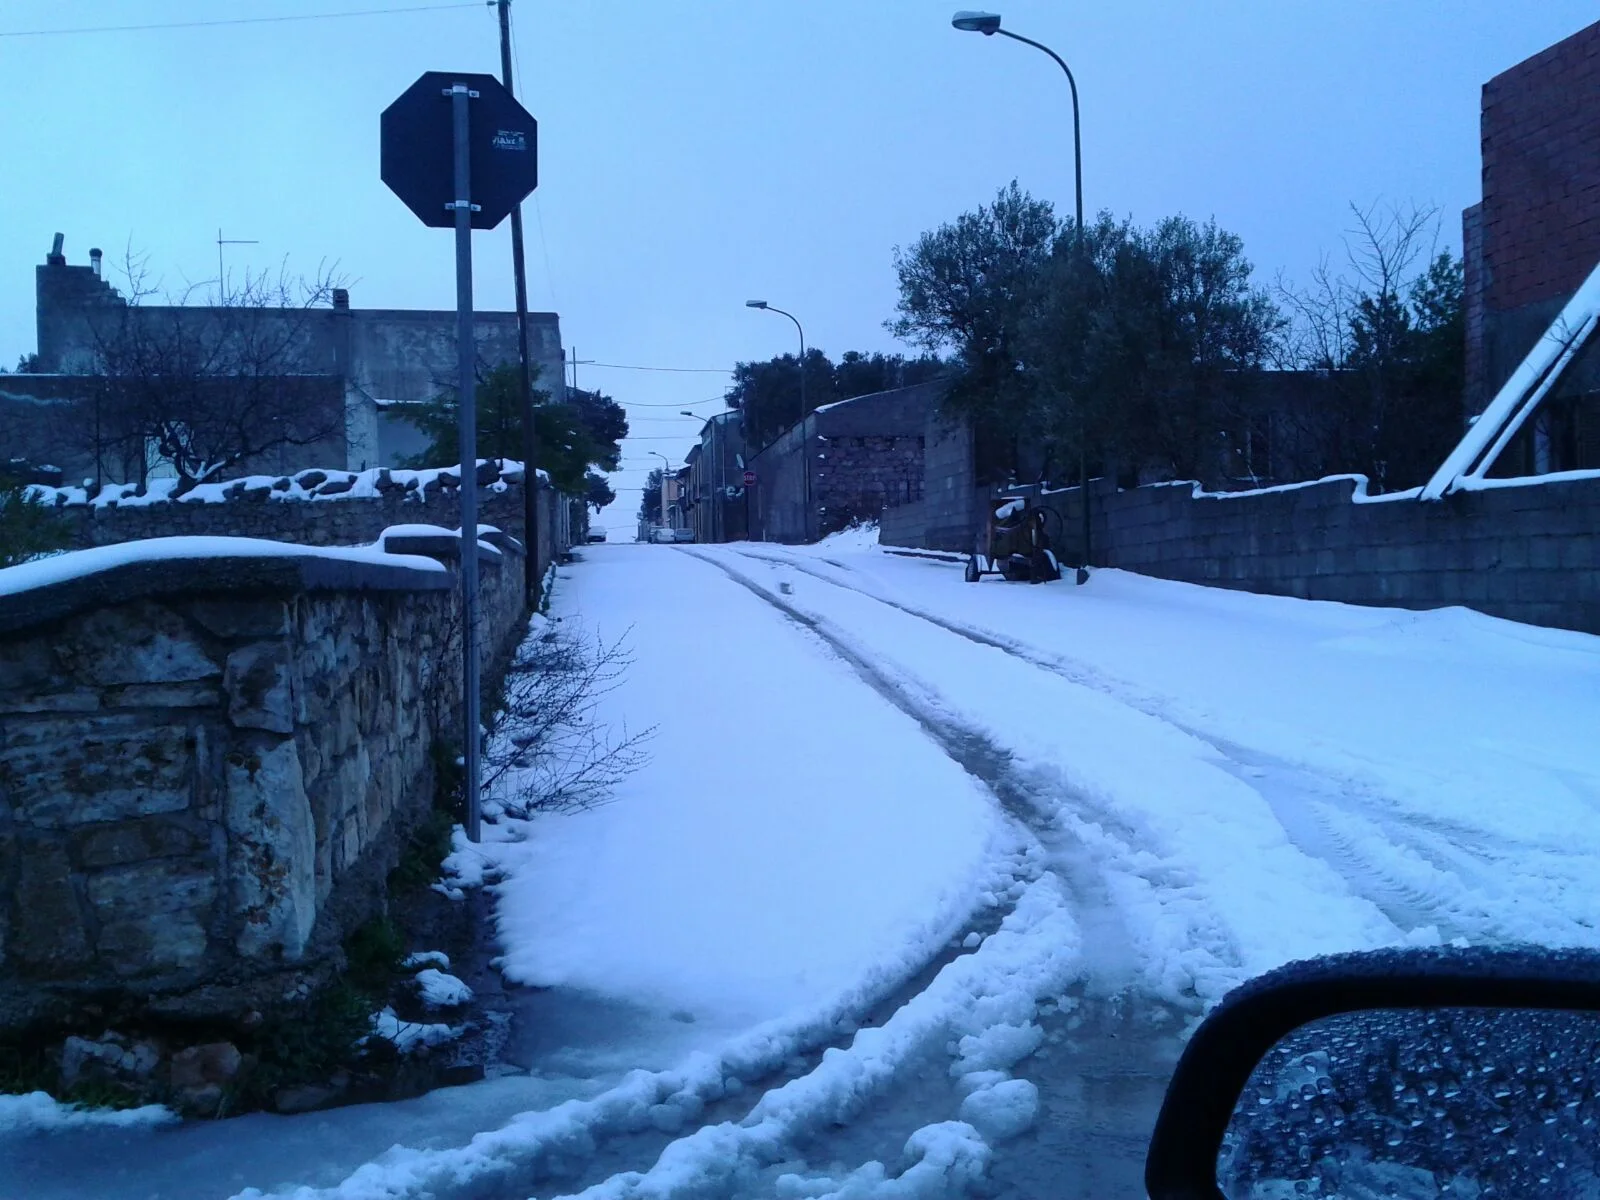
(207, 760)
(311, 508)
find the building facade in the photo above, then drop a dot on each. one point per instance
(1533, 238)
(374, 364)
(717, 501)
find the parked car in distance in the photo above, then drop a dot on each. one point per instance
(683, 535)
(596, 535)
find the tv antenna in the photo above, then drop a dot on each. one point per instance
(222, 278)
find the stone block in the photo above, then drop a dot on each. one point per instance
(257, 682)
(141, 642)
(49, 702)
(25, 666)
(272, 860)
(59, 771)
(50, 935)
(124, 842)
(164, 695)
(242, 617)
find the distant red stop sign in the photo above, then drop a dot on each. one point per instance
(749, 479)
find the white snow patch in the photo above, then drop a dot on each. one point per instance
(407, 1035)
(79, 564)
(1002, 1110)
(427, 958)
(40, 1112)
(442, 991)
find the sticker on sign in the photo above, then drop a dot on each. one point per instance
(510, 139)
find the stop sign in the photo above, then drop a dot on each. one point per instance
(749, 479)
(417, 151)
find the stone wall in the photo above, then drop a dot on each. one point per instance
(206, 767)
(337, 519)
(1529, 552)
(866, 454)
(858, 476)
(947, 515)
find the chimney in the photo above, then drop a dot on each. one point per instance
(55, 258)
(94, 261)
(341, 299)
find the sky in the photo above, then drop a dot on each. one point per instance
(696, 155)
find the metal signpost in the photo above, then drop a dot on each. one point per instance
(462, 153)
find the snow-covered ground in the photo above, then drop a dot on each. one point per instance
(924, 879)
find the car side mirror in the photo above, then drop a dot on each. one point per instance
(1406, 1073)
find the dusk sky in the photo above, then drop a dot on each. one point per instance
(696, 155)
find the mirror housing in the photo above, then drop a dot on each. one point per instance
(1252, 1019)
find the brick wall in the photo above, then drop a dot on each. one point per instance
(1540, 214)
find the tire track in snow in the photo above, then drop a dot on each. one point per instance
(1109, 1048)
(1461, 865)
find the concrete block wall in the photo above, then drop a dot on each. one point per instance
(1528, 553)
(207, 768)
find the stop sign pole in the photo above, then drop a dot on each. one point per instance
(429, 162)
(467, 418)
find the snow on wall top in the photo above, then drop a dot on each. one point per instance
(304, 485)
(81, 564)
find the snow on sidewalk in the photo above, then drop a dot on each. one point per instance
(790, 834)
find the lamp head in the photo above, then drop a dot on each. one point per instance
(755, 303)
(986, 23)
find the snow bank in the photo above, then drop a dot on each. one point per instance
(39, 1112)
(738, 885)
(439, 990)
(79, 564)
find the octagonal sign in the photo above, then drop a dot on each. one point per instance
(418, 154)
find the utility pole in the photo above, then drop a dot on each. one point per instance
(530, 473)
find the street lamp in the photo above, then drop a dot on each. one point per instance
(805, 439)
(988, 24)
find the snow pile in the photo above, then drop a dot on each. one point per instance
(439, 990)
(427, 958)
(1001, 1111)
(408, 1035)
(39, 1112)
(948, 1158)
(79, 564)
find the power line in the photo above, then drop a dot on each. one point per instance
(684, 404)
(325, 16)
(675, 370)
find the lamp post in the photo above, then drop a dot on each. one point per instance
(988, 24)
(805, 439)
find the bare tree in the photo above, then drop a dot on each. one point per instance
(206, 387)
(1372, 326)
(547, 752)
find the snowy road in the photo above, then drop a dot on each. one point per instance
(925, 880)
